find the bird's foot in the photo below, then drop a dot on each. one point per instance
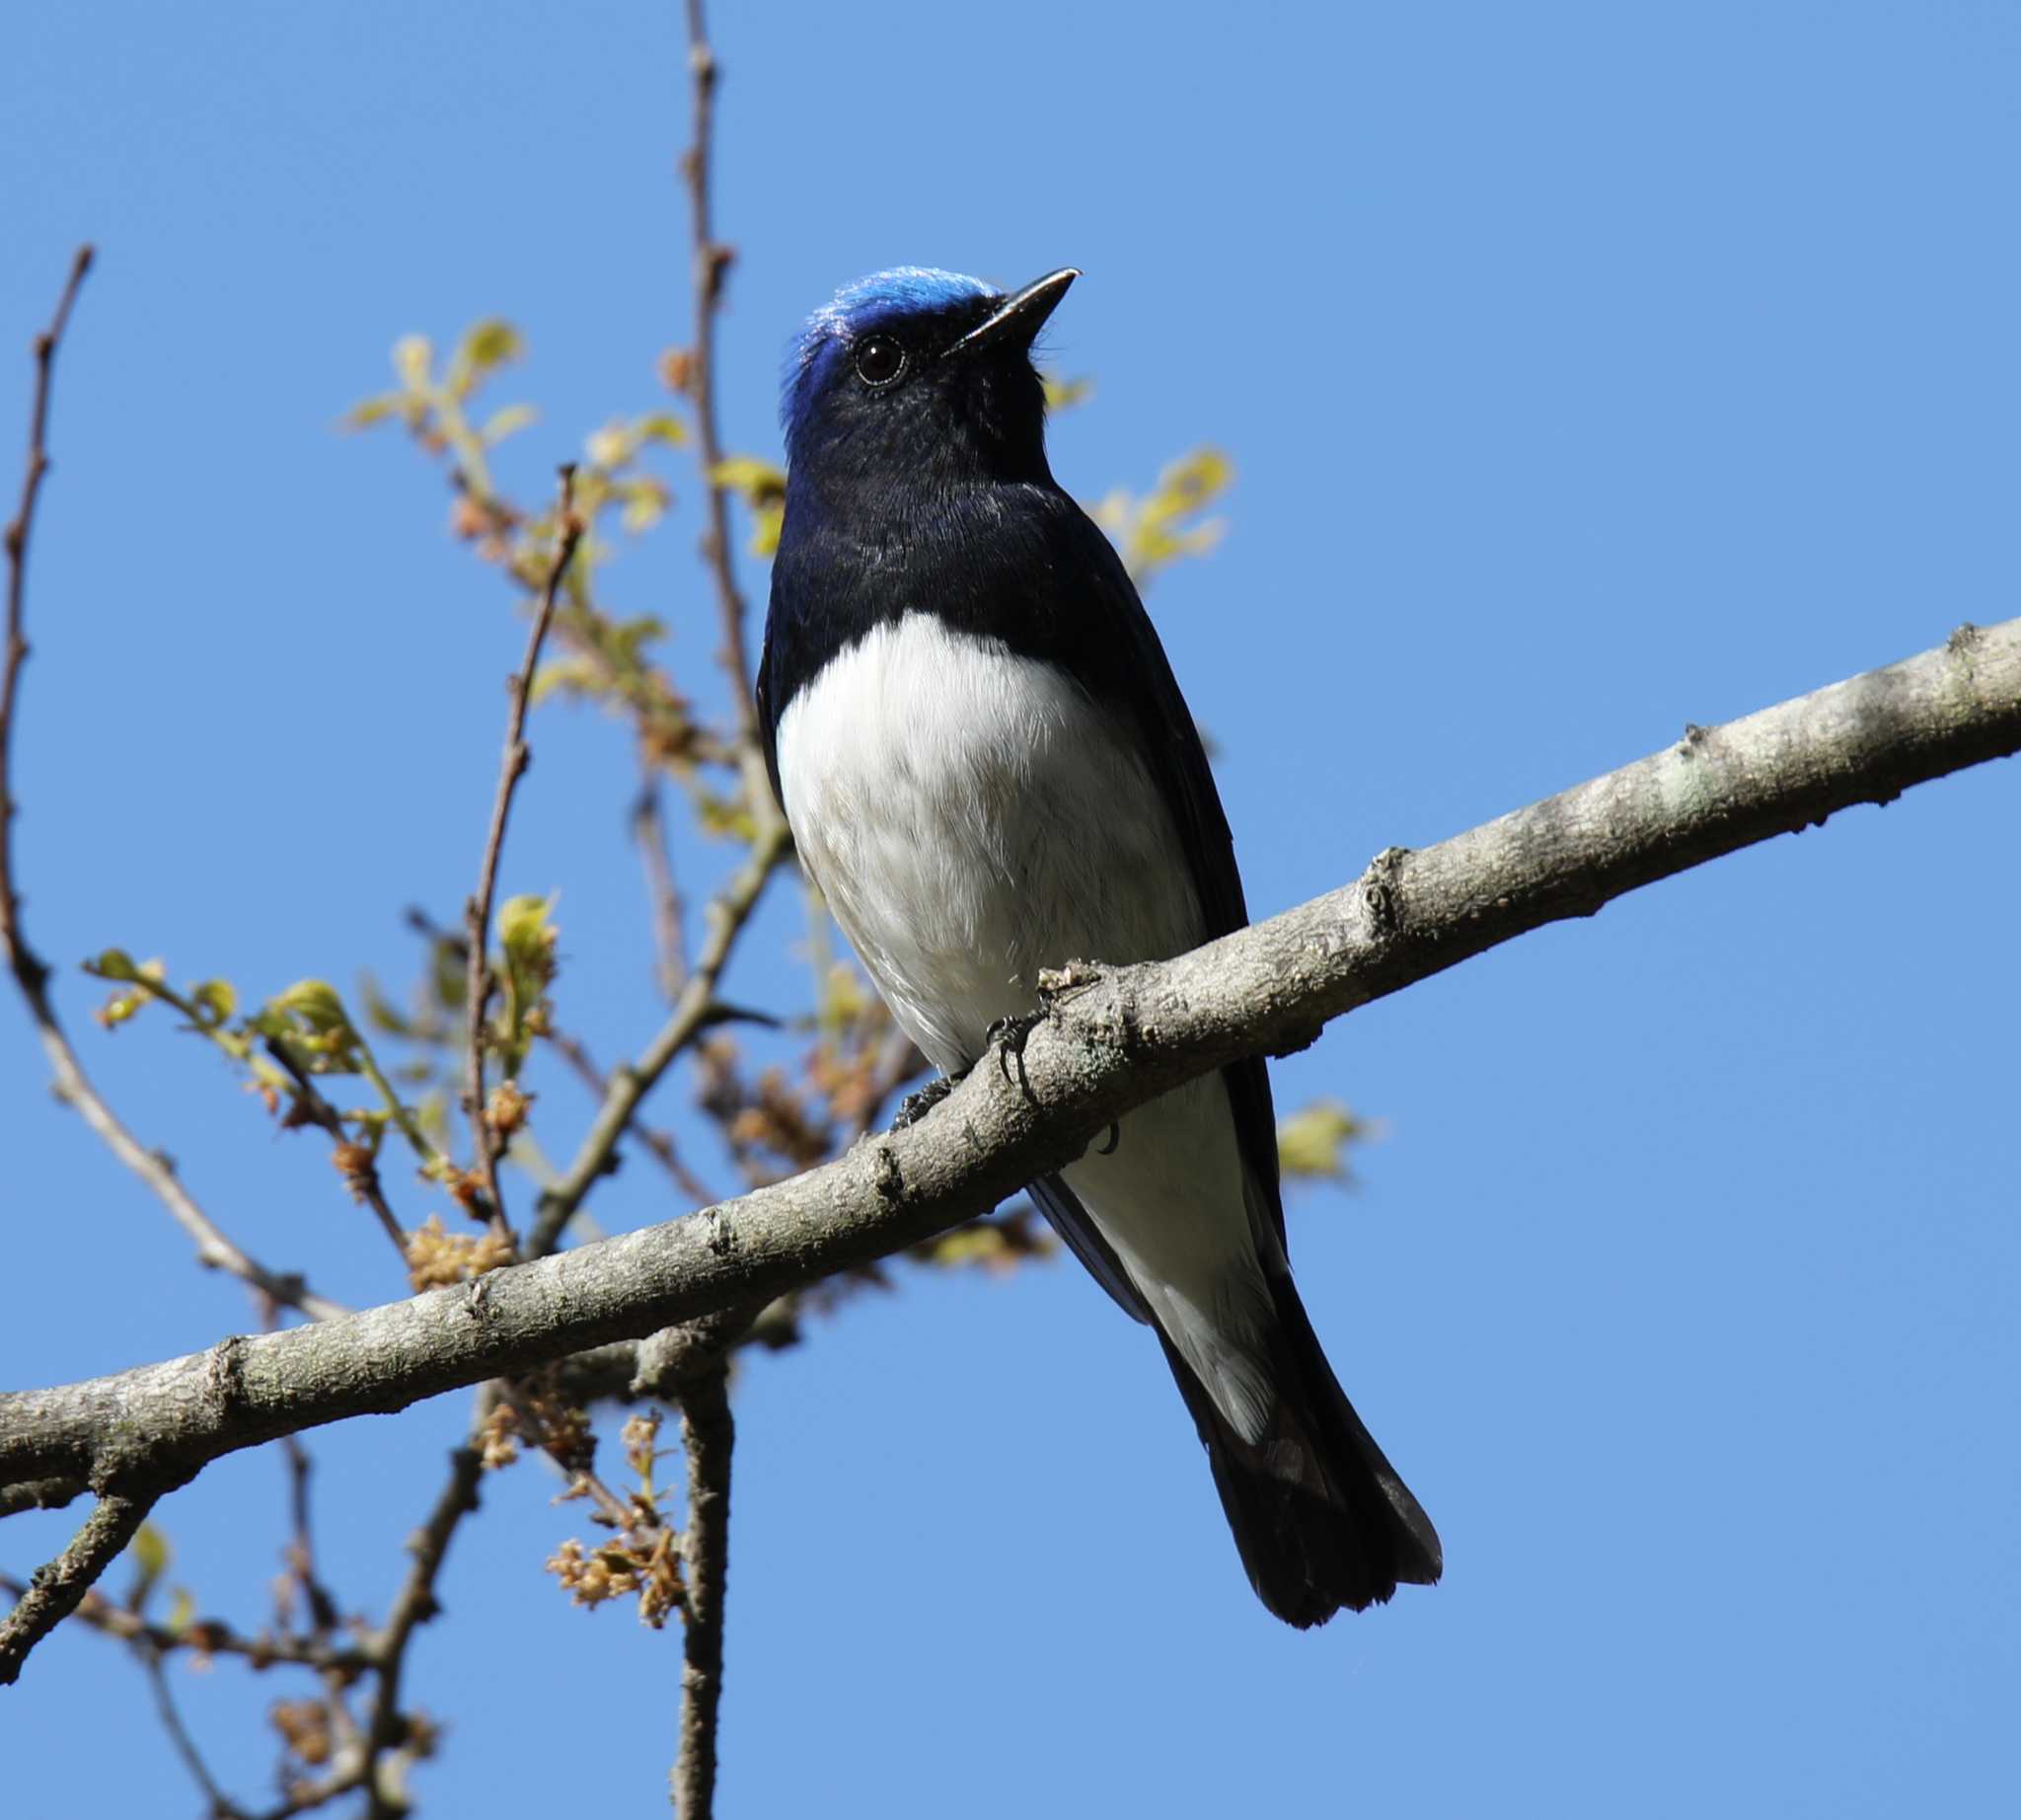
(915, 1105)
(1008, 1035)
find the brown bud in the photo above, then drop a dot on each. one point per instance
(677, 369)
(506, 1111)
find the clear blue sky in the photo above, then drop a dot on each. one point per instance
(1590, 369)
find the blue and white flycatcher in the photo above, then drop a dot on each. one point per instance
(989, 771)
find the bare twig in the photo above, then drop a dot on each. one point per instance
(729, 911)
(478, 923)
(360, 1171)
(711, 262)
(416, 1602)
(57, 1589)
(659, 1144)
(648, 824)
(207, 1637)
(1112, 1039)
(708, 1434)
(28, 968)
(222, 1807)
(350, 1773)
(38, 1495)
(213, 1249)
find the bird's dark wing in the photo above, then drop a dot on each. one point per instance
(1069, 1220)
(1115, 654)
(768, 719)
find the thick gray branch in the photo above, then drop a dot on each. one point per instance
(1114, 1039)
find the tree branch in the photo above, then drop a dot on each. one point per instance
(213, 1249)
(417, 1603)
(28, 969)
(708, 1433)
(712, 261)
(659, 1144)
(220, 1805)
(511, 765)
(210, 1637)
(649, 827)
(1112, 1039)
(57, 1589)
(729, 912)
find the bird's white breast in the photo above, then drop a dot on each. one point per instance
(973, 819)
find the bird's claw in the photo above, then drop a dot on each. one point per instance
(1008, 1035)
(915, 1105)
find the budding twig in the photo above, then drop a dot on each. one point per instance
(569, 534)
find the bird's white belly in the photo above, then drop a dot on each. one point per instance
(972, 820)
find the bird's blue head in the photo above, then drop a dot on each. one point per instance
(924, 372)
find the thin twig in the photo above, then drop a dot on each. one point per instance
(350, 1773)
(207, 1637)
(38, 1495)
(362, 1176)
(510, 768)
(659, 1144)
(28, 969)
(222, 1806)
(648, 824)
(728, 914)
(323, 1610)
(57, 1589)
(213, 1249)
(712, 261)
(708, 1433)
(416, 1602)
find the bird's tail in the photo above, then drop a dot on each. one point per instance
(1320, 1516)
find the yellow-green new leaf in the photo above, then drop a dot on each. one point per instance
(315, 1002)
(1064, 394)
(489, 344)
(413, 357)
(151, 1555)
(374, 410)
(610, 447)
(507, 423)
(750, 476)
(1313, 1142)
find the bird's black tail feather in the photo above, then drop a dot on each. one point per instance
(1320, 1517)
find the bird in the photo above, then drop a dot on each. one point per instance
(988, 770)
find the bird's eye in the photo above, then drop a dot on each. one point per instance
(881, 360)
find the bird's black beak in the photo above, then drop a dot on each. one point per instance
(1018, 318)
